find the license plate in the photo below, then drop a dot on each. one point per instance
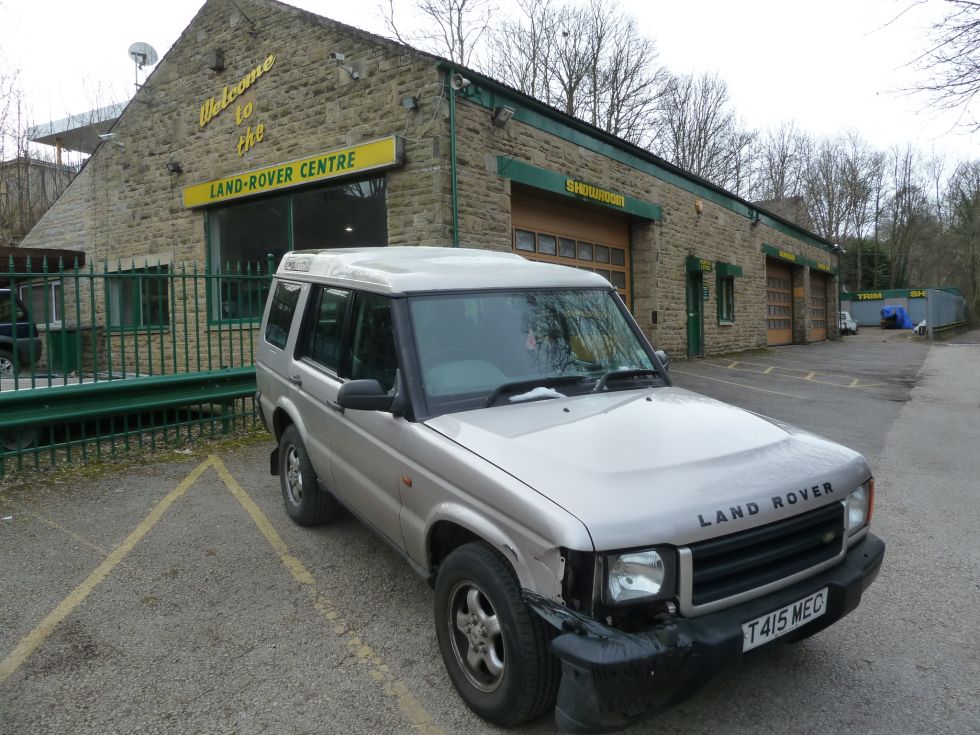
(780, 622)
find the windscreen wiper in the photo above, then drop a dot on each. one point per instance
(526, 385)
(619, 374)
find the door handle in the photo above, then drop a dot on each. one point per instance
(296, 379)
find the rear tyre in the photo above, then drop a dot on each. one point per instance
(6, 364)
(305, 502)
(494, 648)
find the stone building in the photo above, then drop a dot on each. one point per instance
(267, 128)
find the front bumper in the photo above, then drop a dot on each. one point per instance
(611, 678)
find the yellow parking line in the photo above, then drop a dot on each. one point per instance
(740, 385)
(377, 668)
(810, 376)
(36, 637)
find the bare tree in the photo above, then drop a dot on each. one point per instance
(953, 60)
(778, 161)
(450, 28)
(590, 61)
(962, 260)
(697, 129)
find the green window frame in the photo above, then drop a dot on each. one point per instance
(139, 299)
(726, 299)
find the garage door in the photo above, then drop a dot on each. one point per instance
(818, 307)
(556, 232)
(779, 306)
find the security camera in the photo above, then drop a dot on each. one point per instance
(457, 81)
(337, 56)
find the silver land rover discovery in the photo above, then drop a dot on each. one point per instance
(599, 541)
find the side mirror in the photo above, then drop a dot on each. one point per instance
(664, 360)
(364, 395)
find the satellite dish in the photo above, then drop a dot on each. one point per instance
(143, 54)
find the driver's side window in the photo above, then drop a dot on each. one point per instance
(372, 340)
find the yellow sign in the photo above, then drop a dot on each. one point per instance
(377, 154)
(917, 294)
(594, 192)
(787, 256)
(705, 265)
(212, 106)
(823, 267)
(870, 296)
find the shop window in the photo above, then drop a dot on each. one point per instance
(248, 240)
(44, 302)
(347, 216)
(566, 247)
(139, 298)
(281, 313)
(726, 299)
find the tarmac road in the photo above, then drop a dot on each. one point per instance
(176, 597)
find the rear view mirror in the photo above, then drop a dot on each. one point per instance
(664, 360)
(364, 395)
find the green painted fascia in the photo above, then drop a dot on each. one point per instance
(729, 270)
(541, 178)
(489, 94)
(798, 259)
(783, 254)
(897, 293)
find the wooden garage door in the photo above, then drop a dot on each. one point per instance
(569, 234)
(779, 303)
(818, 307)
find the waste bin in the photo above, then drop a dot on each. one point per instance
(62, 351)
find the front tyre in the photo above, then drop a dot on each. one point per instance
(305, 502)
(495, 649)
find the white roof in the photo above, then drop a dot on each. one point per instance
(413, 269)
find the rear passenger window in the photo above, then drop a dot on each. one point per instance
(281, 313)
(372, 341)
(323, 335)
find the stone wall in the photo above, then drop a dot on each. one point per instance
(691, 225)
(125, 203)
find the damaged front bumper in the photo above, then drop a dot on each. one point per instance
(610, 678)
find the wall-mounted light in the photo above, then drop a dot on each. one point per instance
(339, 57)
(110, 138)
(216, 59)
(501, 116)
(753, 217)
(175, 167)
(348, 229)
(698, 206)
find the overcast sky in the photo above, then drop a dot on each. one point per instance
(830, 66)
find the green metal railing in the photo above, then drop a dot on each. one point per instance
(102, 359)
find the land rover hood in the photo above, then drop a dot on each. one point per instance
(658, 466)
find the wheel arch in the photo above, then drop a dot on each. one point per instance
(457, 526)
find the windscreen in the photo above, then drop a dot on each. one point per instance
(472, 344)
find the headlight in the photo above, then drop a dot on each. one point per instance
(637, 575)
(860, 505)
